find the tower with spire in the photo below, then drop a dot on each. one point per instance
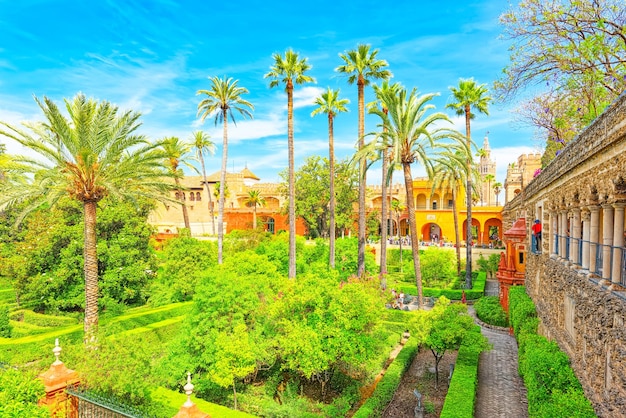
(487, 171)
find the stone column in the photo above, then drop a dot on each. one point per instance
(618, 241)
(554, 229)
(575, 236)
(586, 217)
(563, 234)
(607, 240)
(594, 236)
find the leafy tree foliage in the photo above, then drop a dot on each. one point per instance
(313, 196)
(577, 50)
(5, 324)
(46, 262)
(19, 394)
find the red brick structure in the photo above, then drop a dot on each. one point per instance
(56, 379)
(512, 268)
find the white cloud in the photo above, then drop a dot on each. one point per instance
(305, 96)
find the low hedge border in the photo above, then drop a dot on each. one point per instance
(375, 405)
(461, 395)
(553, 389)
(474, 293)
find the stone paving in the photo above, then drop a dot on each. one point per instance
(501, 391)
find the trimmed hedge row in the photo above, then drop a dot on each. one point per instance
(376, 404)
(461, 395)
(553, 389)
(489, 310)
(453, 294)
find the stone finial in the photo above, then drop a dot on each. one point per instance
(188, 389)
(190, 409)
(57, 351)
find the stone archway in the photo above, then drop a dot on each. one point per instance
(475, 230)
(431, 232)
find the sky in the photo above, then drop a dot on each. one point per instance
(153, 57)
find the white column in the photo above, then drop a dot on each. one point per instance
(554, 229)
(607, 239)
(618, 241)
(575, 236)
(586, 217)
(594, 236)
(562, 233)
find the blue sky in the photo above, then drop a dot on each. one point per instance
(153, 56)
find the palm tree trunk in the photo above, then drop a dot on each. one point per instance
(408, 182)
(254, 217)
(90, 255)
(456, 233)
(468, 241)
(208, 192)
(220, 208)
(292, 184)
(184, 205)
(362, 180)
(383, 223)
(331, 158)
(234, 394)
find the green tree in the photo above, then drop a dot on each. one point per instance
(254, 199)
(175, 152)
(362, 66)
(576, 50)
(94, 153)
(5, 324)
(489, 178)
(398, 207)
(330, 104)
(413, 131)
(288, 70)
(223, 99)
(497, 188)
(203, 145)
(19, 394)
(466, 97)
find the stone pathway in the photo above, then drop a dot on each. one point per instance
(501, 391)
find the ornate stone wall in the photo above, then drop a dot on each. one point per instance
(578, 281)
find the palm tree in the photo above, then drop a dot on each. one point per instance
(411, 129)
(174, 151)
(290, 70)
(387, 176)
(489, 178)
(94, 153)
(330, 103)
(450, 173)
(397, 207)
(362, 66)
(203, 145)
(223, 97)
(468, 96)
(254, 199)
(497, 188)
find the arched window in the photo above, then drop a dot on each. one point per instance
(198, 196)
(192, 196)
(177, 196)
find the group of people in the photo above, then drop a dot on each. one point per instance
(398, 299)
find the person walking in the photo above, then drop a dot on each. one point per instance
(536, 228)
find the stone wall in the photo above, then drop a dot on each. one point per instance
(584, 314)
(596, 343)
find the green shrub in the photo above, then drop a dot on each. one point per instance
(19, 394)
(477, 291)
(5, 324)
(461, 395)
(376, 404)
(553, 389)
(489, 310)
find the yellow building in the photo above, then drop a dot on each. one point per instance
(434, 215)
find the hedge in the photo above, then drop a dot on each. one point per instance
(383, 394)
(553, 389)
(475, 292)
(461, 395)
(489, 310)
(172, 401)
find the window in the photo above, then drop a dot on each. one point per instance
(177, 196)
(434, 205)
(192, 196)
(198, 196)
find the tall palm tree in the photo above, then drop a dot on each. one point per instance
(254, 199)
(222, 99)
(450, 173)
(362, 66)
(203, 145)
(386, 181)
(288, 70)
(469, 96)
(497, 188)
(489, 177)
(175, 151)
(398, 207)
(330, 104)
(94, 153)
(411, 128)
